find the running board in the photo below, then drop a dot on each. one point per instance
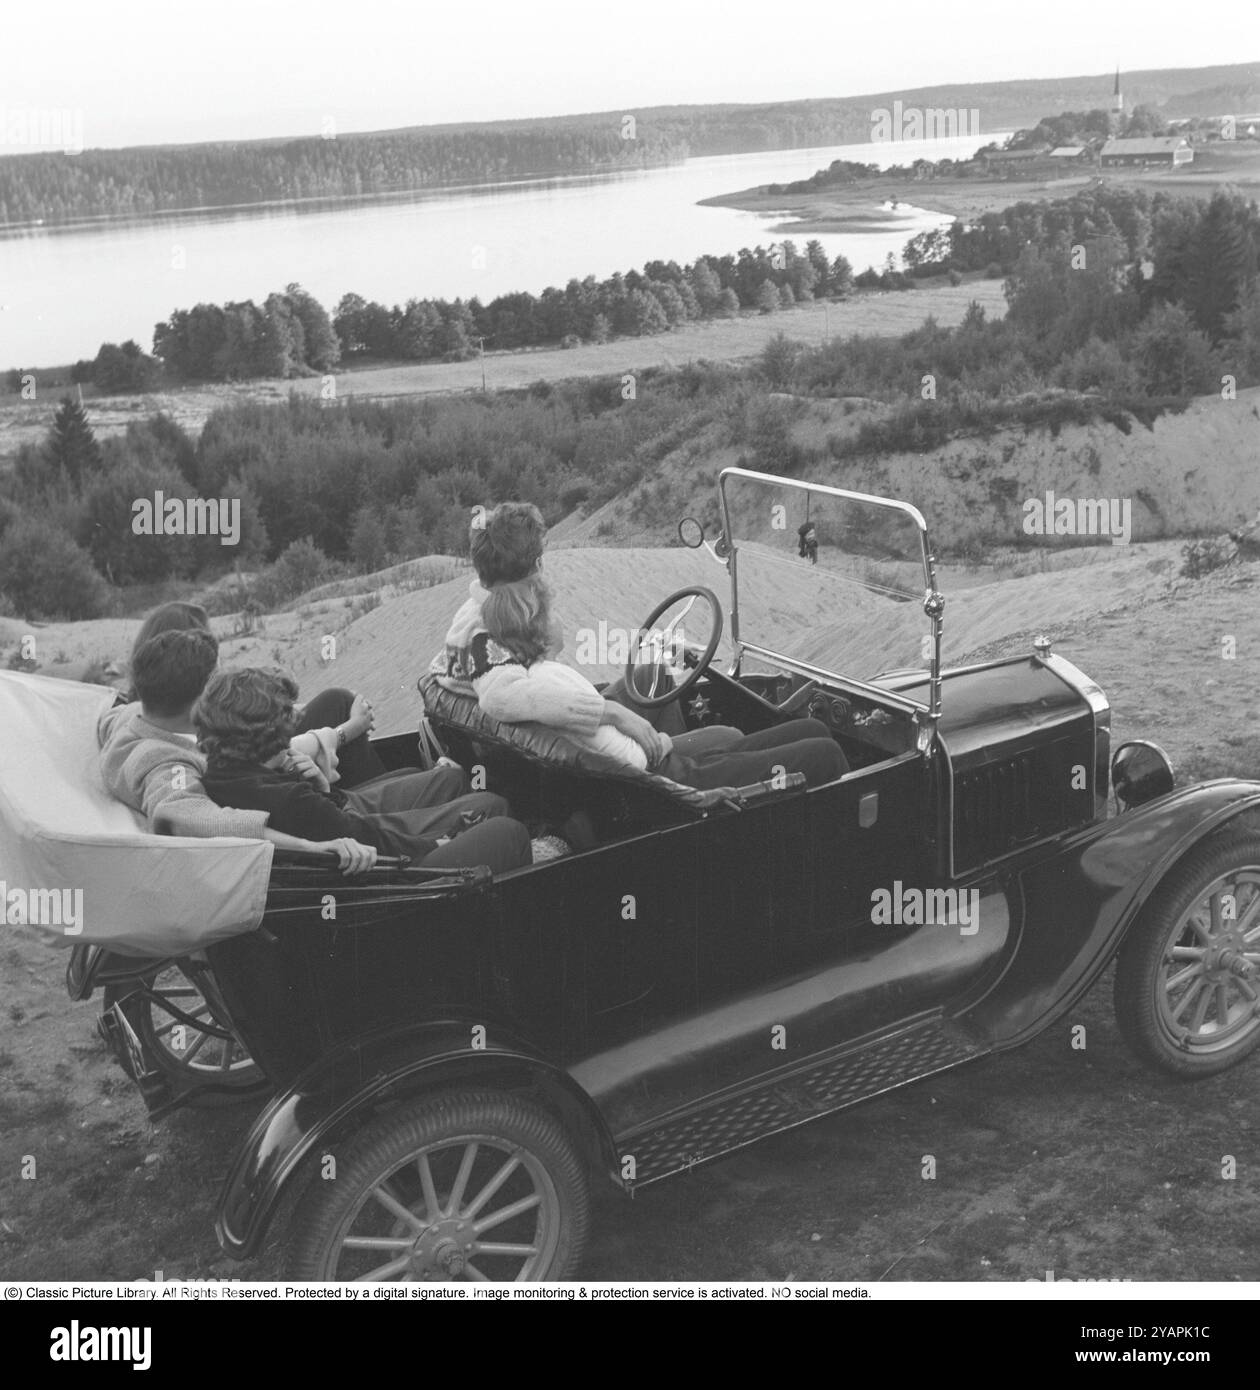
(793, 1096)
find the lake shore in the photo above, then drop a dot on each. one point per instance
(860, 206)
(882, 312)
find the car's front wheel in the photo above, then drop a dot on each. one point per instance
(478, 1185)
(1187, 992)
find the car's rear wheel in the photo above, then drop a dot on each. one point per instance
(186, 1034)
(476, 1185)
(1187, 993)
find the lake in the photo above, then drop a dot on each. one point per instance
(64, 291)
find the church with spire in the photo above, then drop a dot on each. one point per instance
(1117, 106)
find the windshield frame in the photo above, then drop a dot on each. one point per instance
(933, 601)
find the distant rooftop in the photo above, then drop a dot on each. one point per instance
(1067, 151)
(1032, 153)
(1154, 144)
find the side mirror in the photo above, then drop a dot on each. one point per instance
(1140, 771)
(691, 533)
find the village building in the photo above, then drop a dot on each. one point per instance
(1168, 151)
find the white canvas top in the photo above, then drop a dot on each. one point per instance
(76, 865)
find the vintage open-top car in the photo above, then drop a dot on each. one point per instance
(453, 1060)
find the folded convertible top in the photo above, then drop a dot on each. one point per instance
(78, 866)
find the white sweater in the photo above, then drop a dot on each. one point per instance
(550, 693)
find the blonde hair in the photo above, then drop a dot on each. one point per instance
(517, 616)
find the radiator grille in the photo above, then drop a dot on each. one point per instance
(1004, 805)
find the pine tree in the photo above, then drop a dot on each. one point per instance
(767, 299)
(1217, 266)
(72, 446)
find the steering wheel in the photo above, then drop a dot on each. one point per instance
(661, 643)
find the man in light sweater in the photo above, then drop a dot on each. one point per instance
(150, 761)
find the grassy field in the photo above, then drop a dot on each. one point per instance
(885, 312)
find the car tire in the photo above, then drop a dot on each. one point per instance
(485, 1153)
(1187, 987)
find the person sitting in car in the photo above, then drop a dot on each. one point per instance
(335, 719)
(518, 679)
(244, 720)
(150, 760)
(506, 546)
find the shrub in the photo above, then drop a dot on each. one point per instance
(302, 565)
(777, 362)
(955, 277)
(45, 575)
(106, 531)
(1174, 358)
(1202, 557)
(570, 340)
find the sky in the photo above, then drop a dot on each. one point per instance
(149, 71)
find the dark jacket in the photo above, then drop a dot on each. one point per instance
(292, 804)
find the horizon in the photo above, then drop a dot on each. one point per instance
(200, 85)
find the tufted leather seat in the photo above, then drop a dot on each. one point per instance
(542, 745)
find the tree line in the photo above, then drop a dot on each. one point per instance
(292, 335)
(142, 181)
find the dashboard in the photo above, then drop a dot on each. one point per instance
(868, 731)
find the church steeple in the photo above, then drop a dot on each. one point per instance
(1115, 117)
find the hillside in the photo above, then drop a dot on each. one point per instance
(1188, 473)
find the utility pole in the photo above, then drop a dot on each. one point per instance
(481, 348)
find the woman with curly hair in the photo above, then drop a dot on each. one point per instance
(244, 722)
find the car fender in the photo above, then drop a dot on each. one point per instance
(349, 1083)
(1076, 906)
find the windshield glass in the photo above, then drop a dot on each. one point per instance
(827, 578)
